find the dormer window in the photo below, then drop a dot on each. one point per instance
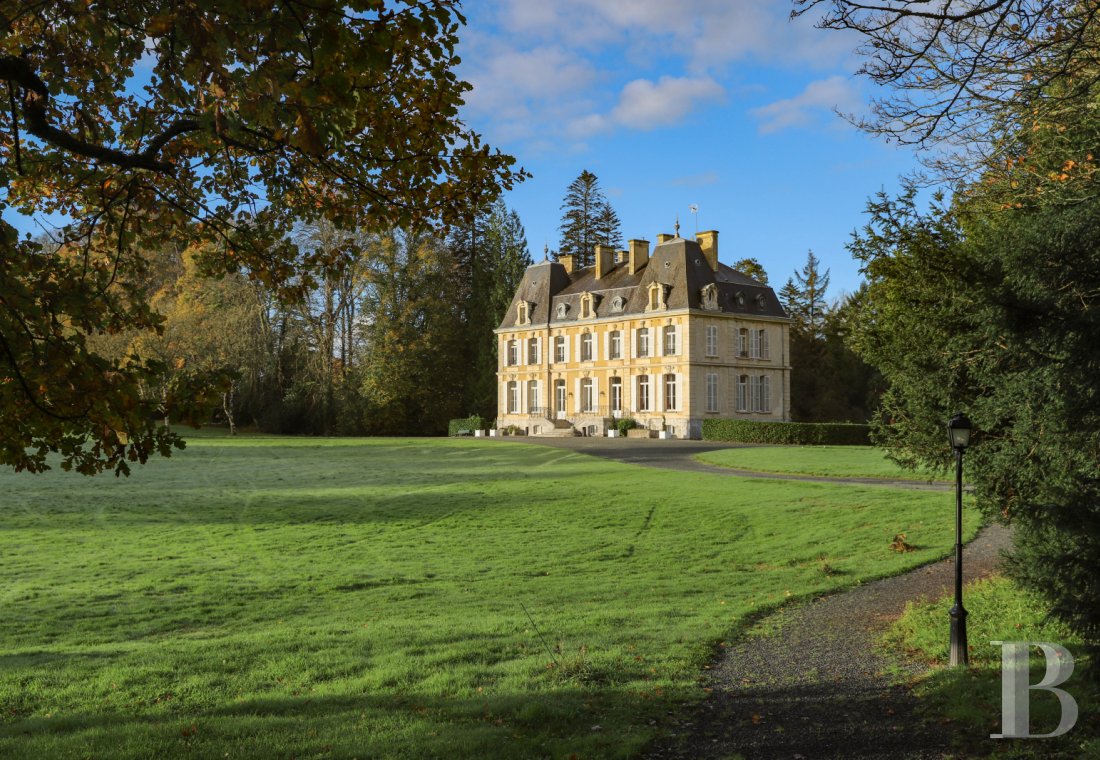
(523, 313)
(562, 311)
(618, 303)
(740, 297)
(588, 306)
(709, 295)
(658, 294)
(760, 301)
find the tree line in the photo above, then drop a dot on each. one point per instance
(392, 336)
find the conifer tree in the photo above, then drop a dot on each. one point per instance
(587, 220)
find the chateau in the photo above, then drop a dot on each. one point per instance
(669, 339)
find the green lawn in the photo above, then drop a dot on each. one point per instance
(830, 461)
(316, 598)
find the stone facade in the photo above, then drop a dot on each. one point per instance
(668, 339)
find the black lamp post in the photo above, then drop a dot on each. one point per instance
(958, 431)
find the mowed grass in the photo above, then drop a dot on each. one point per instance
(828, 461)
(278, 597)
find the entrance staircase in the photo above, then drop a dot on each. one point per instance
(560, 429)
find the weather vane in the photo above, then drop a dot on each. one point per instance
(677, 225)
(694, 209)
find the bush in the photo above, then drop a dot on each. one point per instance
(796, 433)
(471, 423)
(626, 423)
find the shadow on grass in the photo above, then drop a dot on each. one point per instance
(970, 701)
(557, 721)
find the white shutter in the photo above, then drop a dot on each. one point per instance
(765, 394)
(576, 395)
(633, 348)
(595, 345)
(538, 350)
(754, 344)
(764, 344)
(681, 392)
(631, 389)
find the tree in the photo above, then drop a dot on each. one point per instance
(412, 369)
(962, 72)
(587, 220)
(803, 297)
(495, 268)
(753, 268)
(213, 125)
(988, 310)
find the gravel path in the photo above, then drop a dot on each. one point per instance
(815, 688)
(815, 685)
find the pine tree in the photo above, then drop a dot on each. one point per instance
(608, 227)
(804, 297)
(754, 269)
(587, 220)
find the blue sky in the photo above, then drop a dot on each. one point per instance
(726, 104)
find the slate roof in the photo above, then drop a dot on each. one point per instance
(678, 264)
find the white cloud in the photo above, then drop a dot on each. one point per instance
(511, 79)
(645, 105)
(708, 33)
(834, 93)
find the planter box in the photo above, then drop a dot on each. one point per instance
(639, 433)
(663, 434)
(479, 434)
(493, 433)
(612, 433)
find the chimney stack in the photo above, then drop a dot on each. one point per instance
(567, 262)
(664, 237)
(605, 260)
(639, 255)
(708, 241)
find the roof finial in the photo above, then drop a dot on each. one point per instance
(677, 225)
(545, 251)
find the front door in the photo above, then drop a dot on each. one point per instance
(559, 399)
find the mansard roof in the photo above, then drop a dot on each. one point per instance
(677, 264)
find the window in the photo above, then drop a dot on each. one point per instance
(754, 344)
(670, 340)
(643, 341)
(670, 392)
(615, 345)
(586, 347)
(616, 395)
(533, 397)
(742, 342)
(712, 393)
(743, 393)
(513, 397)
(559, 349)
(643, 393)
(764, 344)
(522, 316)
(513, 353)
(765, 394)
(754, 393)
(562, 311)
(532, 350)
(618, 303)
(654, 289)
(588, 395)
(712, 340)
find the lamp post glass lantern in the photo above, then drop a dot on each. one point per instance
(958, 432)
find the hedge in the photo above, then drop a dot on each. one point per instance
(471, 423)
(798, 433)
